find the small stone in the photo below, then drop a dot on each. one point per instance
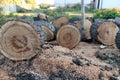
(81, 78)
(77, 62)
(103, 47)
(68, 54)
(2, 59)
(45, 46)
(101, 56)
(30, 76)
(62, 74)
(25, 76)
(88, 64)
(101, 76)
(54, 75)
(114, 78)
(108, 68)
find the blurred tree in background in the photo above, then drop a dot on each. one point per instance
(6, 2)
(17, 2)
(30, 1)
(10, 2)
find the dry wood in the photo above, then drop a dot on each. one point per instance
(49, 33)
(105, 32)
(60, 21)
(87, 29)
(48, 28)
(68, 36)
(20, 39)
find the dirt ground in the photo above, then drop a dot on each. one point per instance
(84, 62)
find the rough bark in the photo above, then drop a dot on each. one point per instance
(104, 31)
(48, 28)
(93, 30)
(72, 20)
(117, 21)
(117, 40)
(87, 29)
(86, 37)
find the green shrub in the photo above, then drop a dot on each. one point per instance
(88, 9)
(45, 6)
(73, 7)
(107, 13)
(31, 1)
(53, 13)
(11, 15)
(2, 17)
(76, 6)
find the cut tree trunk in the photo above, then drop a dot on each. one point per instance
(48, 28)
(20, 39)
(104, 32)
(118, 40)
(87, 30)
(68, 36)
(60, 21)
(49, 33)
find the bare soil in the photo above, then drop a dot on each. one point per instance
(84, 62)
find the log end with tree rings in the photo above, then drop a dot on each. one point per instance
(87, 29)
(68, 36)
(48, 32)
(117, 40)
(106, 33)
(49, 29)
(60, 21)
(19, 40)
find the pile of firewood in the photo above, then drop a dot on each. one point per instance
(22, 39)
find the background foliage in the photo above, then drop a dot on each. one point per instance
(107, 13)
(17, 2)
(30, 1)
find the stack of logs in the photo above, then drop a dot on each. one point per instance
(22, 39)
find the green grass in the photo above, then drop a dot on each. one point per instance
(78, 14)
(68, 12)
(53, 14)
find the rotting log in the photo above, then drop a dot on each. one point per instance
(117, 40)
(20, 39)
(104, 32)
(60, 21)
(68, 36)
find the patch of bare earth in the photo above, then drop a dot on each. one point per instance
(56, 62)
(4, 75)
